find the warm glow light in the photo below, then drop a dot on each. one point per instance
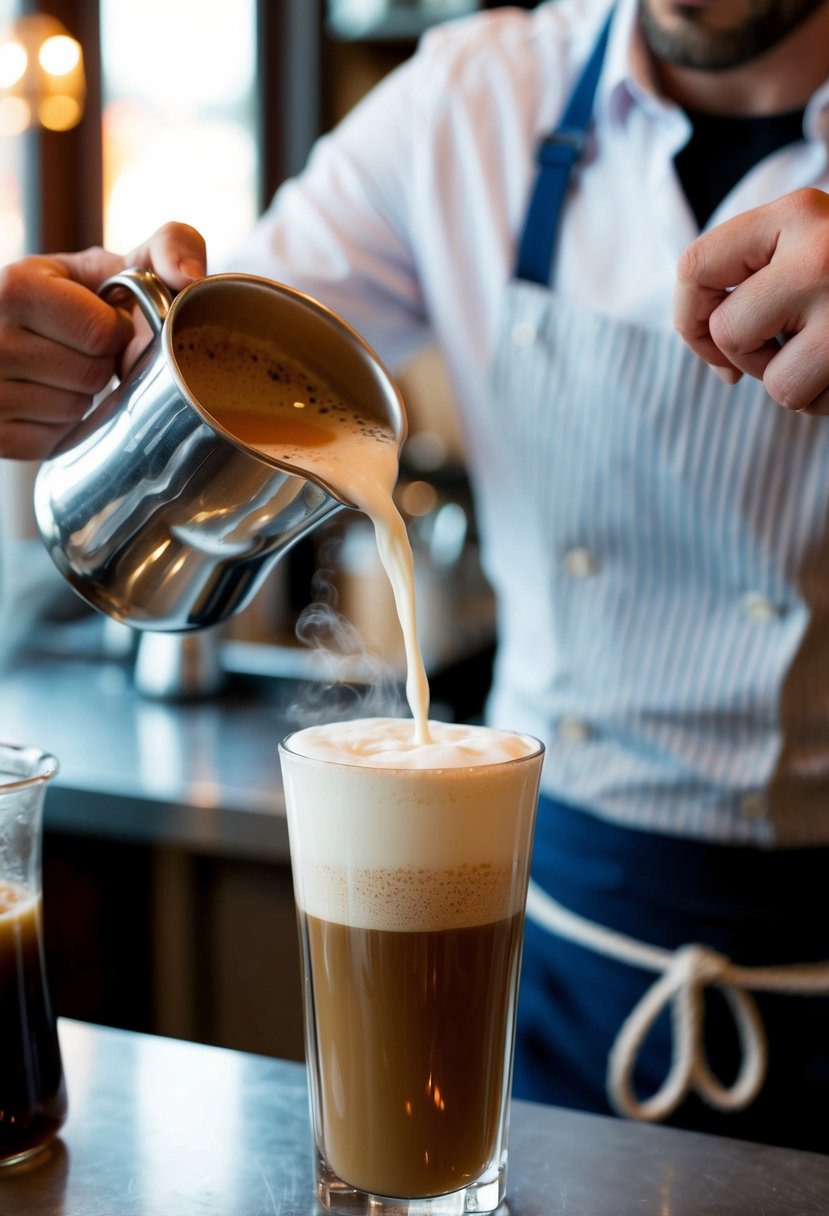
(59, 113)
(188, 122)
(59, 55)
(13, 63)
(418, 498)
(15, 115)
(41, 76)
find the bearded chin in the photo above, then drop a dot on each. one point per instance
(688, 44)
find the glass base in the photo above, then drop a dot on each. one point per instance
(484, 1196)
(25, 1154)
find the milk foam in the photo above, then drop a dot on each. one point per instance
(390, 834)
(387, 743)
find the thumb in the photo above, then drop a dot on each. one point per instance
(175, 252)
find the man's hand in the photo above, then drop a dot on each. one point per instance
(60, 344)
(753, 297)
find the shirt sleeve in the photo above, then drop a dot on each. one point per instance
(341, 230)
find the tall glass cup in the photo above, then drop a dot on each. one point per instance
(410, 869)
(32, 1090)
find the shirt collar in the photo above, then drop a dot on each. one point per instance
(816, 119)
(628, 79)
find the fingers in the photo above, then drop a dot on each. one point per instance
(797, 374)
(58, 346)
(33, 359)
(60, 343)
(752, 298)
(729, 253)
(55, 297)
(176, 252)
(34, 418)
(707, 273)
(40, 296)
(747, 325)
(21, 439)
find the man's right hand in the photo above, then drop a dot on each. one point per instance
(60, 343)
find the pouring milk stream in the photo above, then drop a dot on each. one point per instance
(276, 407)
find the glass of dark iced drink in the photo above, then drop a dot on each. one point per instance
(32, 1089)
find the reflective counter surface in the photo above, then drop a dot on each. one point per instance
(160, 1127)
(200, 775)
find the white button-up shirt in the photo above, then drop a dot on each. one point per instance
(407, 217)
(406, 222)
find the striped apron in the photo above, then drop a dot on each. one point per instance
(661, 974)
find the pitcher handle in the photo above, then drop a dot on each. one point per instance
(154, 299)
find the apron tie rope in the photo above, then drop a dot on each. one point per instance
(684, 974)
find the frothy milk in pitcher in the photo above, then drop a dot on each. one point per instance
(275, 406)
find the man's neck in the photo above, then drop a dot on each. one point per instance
(782, 79)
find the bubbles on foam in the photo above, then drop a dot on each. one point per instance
(413, 898)
(401, 836)
(235, 375)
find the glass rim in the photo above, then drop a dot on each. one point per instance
(42, 766)
(536, 753)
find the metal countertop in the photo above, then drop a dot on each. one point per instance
(160, 1127)
(203, 775)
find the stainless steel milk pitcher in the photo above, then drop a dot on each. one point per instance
(155, 514)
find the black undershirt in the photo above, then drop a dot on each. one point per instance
(723, 148)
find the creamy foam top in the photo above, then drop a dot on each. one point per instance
(389, 834)
(388, 743)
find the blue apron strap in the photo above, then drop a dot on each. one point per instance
(557, 155)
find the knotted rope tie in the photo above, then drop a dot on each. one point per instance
(684, 974)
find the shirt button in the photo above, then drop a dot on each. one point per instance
(573, 730)
(753, 804)
(580, 563)
(524, 333)
(760, 609)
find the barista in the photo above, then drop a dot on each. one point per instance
(657, 539)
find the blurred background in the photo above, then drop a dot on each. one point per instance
(167, 889)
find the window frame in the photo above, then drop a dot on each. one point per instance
(64, 186)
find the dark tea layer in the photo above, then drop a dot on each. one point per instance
(32, 1092)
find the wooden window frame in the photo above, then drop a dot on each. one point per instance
(65, 169)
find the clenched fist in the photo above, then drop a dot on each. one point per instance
(752, 297)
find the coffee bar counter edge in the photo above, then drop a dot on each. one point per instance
(159, 1125)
